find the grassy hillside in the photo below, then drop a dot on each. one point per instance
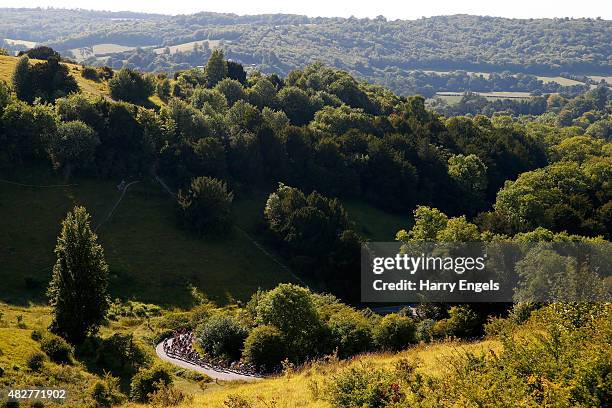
(302, 387)
(150, 257)
(89, 87)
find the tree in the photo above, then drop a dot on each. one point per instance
(73, 146)
(296, 104)
(206, 206)
(265, 348)
(216, 68)
(27, 131)
(22, 79)
(462, 321)
(395, 332)
(236, 71)
(78, 288)
(222, 336)
(42, 53)
(290, 308)
(211, 97)
(470, 173)
(232, 90)
(351, 333)
(147, 381)
(48, 80)
(130, 86)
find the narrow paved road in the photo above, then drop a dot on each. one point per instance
(218, 374)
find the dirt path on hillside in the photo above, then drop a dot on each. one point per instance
(110, 214)
(254, 242)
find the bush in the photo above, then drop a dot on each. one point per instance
(119, 354)
(90, 73)
(206, 206)
(147, 381)
(105, 73)
(440, 329)
(265, 348)
(167, 395)
(130, 86)
(291, 309)
(222, 336)
(236, 401)
(395, 332)
(35, 361)
(106, 392)
(363, 387)
(351, 333)
(521, 312)
(58, 349)
(36, 335)
(462, 321)
(425, 330)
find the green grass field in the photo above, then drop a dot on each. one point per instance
(150, 257)
(187, 47)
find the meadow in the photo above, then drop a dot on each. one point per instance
(150, 257)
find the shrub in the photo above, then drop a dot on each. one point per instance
(130, 86)
(106, 392)
(167, 395)
(496, 326)
(222, 336)
(237, 401)
(265, 348)
(120, 355)
(395, 332)
(105, 73)
(291, 309)
(425, 330)
(90, 73)
(521, 312)
(440, 328)
(206, 206)
(58, 349)
(363, 387)
(35, 361)
(147, 381)
(462, 321)
(351, 333)
(36, 335)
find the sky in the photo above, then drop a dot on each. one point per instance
(392, 9)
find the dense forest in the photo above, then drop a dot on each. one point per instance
(380, 51)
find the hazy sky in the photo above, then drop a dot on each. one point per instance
(404, 9)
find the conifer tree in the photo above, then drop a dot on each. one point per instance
(78, 288)
(216, 68)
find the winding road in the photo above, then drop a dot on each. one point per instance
(216, 373)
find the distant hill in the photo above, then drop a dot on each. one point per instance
(377, 50)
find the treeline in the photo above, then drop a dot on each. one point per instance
(377, 50)
(427, 83)
(588, 112)
(317, 129)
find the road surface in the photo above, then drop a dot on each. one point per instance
(215, 373)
